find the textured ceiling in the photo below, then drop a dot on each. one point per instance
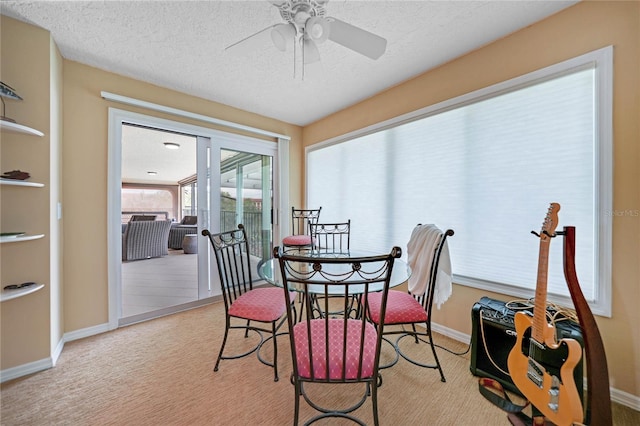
(181, 45)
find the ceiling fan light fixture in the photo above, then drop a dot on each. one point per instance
(171, 145)
(317, 29)
(282, 36)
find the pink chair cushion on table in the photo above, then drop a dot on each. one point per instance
(297, 240)
(260, 304)
(336, 328)
(402, 308)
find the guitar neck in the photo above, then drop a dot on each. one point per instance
(539, 321)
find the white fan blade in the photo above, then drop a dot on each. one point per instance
(357, 39)
(254, 42)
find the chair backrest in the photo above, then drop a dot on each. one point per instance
(301, 218)
(189, 220)
(143, 239)
(231, 250)
(331, 237)
(426, 300)
(142, 217)
(316, 339)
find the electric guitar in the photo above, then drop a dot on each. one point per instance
(555, 397)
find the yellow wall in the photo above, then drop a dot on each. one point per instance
(577, 30)
(25, 321)
(85, 175)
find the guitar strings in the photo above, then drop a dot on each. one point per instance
(558, 313)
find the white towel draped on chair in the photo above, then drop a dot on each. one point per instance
(420, 250)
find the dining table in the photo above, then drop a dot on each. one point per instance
(269, 270)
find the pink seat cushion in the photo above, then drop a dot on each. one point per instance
(336, 353)
(260, 304)
(402, 308)
(297, 240)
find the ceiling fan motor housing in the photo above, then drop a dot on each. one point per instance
(298, 12)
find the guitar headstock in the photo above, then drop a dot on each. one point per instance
(550, 222)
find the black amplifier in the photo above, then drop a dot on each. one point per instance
(493, 336)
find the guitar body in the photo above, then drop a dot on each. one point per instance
(555, 397)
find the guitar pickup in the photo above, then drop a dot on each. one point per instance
(535, 373)
(554, 392)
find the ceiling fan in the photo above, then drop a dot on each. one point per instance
(306, 26)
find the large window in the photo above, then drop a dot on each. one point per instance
(147, 200)
(487, 165)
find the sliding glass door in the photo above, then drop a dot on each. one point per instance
(195, 178)
(246, 188)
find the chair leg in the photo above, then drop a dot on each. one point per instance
(275, 352)
(246, 330)
(415, 333)
(224, 342)
(296, 410)
(374, 402)
(435, 356)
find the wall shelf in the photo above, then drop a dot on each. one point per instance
(19, 292)
(15, 182)
(20, 238)
(19, 128)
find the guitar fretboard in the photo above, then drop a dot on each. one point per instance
(540, 304)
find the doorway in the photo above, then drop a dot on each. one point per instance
(218, 178)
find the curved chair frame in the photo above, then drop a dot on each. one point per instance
(300, 220)
(331, 349)
(330, 239)
(426, 302)
(231, 250)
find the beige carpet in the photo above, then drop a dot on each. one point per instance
(161, 373)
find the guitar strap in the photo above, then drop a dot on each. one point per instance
(494, 392)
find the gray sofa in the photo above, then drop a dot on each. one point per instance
(145, 239)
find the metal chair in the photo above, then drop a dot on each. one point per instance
(411, 309)
(336, 349)
(331, 237)
(243, 302)
(300, 220)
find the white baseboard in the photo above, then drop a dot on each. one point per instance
(449, 332)
(25, 369)
(85, 332)
(45, 364)
(57, 351)
(625, 398)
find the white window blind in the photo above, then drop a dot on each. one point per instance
(487, 167)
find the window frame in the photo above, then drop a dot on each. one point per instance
(602, 61)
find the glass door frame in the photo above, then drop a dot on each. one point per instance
(233, 142)
(208, 171)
